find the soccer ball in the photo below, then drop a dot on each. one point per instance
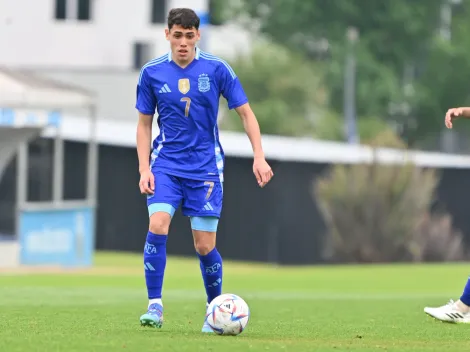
(228, 314)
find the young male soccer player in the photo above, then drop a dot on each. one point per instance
(454, 312)
(187, 161)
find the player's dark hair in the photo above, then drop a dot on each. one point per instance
(183, 17)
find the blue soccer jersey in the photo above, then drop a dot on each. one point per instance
(187, 103)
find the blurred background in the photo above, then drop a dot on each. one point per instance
(350, 96)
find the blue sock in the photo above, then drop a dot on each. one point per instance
(465, 298)
(211, 270)
(155, 263)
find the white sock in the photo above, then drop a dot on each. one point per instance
(155, 300)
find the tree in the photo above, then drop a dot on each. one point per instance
(393, 30)
(398, 48)
(443, 82)
(284, 89)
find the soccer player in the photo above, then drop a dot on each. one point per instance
(186, 162)
(454, 312)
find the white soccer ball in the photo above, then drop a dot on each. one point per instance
(228, 314)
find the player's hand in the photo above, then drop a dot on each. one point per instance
(262, 171)
(451, 115)
(147, 182)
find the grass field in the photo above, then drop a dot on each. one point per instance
(337, 308)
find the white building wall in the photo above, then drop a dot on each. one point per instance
(31, 37)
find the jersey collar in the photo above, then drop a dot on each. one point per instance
(198, 51)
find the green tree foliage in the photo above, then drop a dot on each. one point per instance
(393, 30)
(399, 41)
(444, 82)
(330, 126)
(284, 89)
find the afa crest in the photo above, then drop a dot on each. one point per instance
(183, 85)
(203, 83)
(213, 269)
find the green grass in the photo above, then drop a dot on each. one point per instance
(323, 308)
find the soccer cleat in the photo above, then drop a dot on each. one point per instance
(449, 313)
(206, 327)
(153, 317)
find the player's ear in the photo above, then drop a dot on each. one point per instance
(167, 34)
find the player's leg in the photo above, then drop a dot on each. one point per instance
(203, 204)
(161, 207)
(453, 312)
(210, 260)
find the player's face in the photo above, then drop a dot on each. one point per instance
(182, 42)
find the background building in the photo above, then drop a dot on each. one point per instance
(98, 34)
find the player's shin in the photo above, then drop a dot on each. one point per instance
(211, 270)
(154, 265)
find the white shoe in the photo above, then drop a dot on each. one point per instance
(449, 313)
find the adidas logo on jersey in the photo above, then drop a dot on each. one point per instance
(165, 89)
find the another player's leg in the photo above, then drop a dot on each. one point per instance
(161, 208)
(453, 312)
(204, 205)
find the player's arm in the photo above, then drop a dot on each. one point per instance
(232, 90)
(455, 113)
(144, 141)
(251, 126)
(146, 105)
(261, 168)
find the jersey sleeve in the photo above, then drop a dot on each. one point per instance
(146, 101)
(230, 86)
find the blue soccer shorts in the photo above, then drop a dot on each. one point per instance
(199, 200)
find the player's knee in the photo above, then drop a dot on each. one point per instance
(160, 223)
(204, 233)
(204, 247)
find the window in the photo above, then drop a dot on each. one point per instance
(158, 11)
(142, 54)
(61, 9)
(83, 10)
(73, 10)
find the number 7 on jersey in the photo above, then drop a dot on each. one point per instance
(188, 104)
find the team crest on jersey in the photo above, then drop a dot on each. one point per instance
(203, 83)
(183, 85)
